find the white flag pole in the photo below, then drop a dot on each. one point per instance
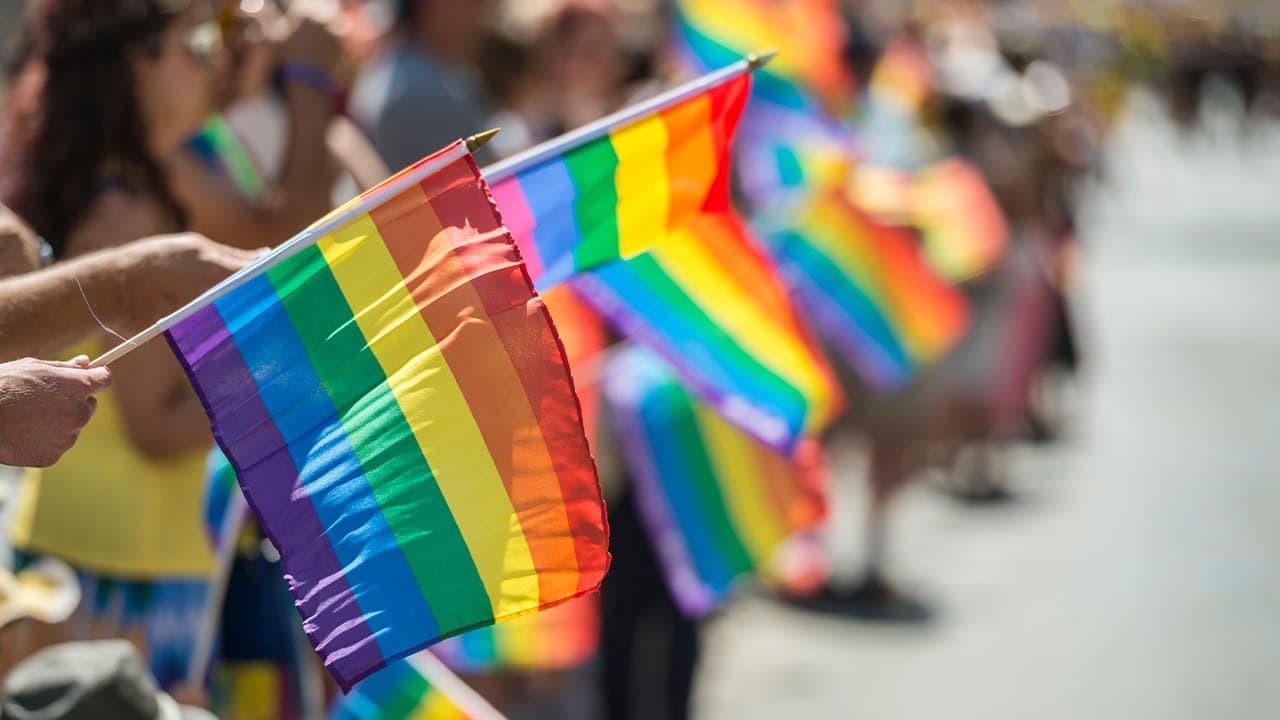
(504, 169)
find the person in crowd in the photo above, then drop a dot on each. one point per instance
(95, 157)
(422, 90)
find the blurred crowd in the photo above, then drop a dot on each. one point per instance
(148, 148)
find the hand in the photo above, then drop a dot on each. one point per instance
(43, 406)
(167, 271)
(311, 43)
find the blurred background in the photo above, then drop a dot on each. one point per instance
(1103, 544)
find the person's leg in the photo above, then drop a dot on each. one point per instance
(620, 606)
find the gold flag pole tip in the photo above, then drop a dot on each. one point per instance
(479, 140)
(759, 60)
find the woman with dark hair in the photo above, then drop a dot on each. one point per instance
(96, 156)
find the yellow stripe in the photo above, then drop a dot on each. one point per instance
(740, 478)
(843, 240)
(418, 376)
(733, 308)
(750, 30)
(644, 189)
(516, 641)
(436, 706)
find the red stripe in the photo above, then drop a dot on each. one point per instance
(539, 359)
(727, 103)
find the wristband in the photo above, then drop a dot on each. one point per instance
(316, 78)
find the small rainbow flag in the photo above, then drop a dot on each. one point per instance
(566, 636)
(809, 36)
(416, 688)
(869, 290)
(224, 510)
(792, 133)
(613, 196)
(221, 149)
(718, 505)
(964, 229)
(396, 404)
(711, 303)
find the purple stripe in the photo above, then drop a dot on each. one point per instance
(230, 396)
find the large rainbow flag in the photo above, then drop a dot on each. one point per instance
(709, 301)
(395, 401)
(623, 188)
(415, 688)
(719, 505)
(869, 290)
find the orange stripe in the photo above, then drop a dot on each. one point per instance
(691, 157)
(443, 291)
(540, 360)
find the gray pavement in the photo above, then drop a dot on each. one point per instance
(1138, 573)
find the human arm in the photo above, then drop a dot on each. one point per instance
(129, 287)
(19, 246)
(302, 194)
(43, 406)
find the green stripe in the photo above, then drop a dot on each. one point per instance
(393, 463)
(593, 168)
(725, 346)
(411, 690)
(705, 481)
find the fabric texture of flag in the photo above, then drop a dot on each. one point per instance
(415, 688)
(396, 404)
(869, 290)
(718, 504)
(614, 196)
(713, 305)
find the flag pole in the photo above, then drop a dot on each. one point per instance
(328, 224)
(519, 162)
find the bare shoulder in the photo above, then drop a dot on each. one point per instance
(118, 217)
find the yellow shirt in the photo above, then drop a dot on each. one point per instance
(108, 509)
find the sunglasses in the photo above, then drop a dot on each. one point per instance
(203, 40)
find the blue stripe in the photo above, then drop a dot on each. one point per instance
(843, 312)
(664, 411)
(690, 339)
(549, 192)
(373, 563)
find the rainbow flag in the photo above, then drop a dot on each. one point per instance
(793, 133)
(809, 36)
(416, 688)
(224, 509)
(395, 401)
(964, 230)
(718, 505)
(220, 148)
(711, 303)
(566, 636)
(614, 196)
(869, 290)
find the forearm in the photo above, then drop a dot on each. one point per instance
(309, 171)
(44, 312)
(19, 255)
